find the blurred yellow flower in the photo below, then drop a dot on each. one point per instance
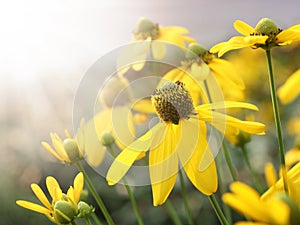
(181, 135)
(68, 150)
(265, 35)
(247, 202)
(152, 38)
(290, 89)
(62, 209)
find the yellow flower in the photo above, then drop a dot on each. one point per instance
(290, 89)
(274, 206)
(265, 35)
(68, 150)
(62, 209)
(150, 37)
(194, 72)
(181, 136)
(247, 202)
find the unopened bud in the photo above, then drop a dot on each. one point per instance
(84, 209)
(107, 138)
(195, 51)
(64, 212)
(72, 149)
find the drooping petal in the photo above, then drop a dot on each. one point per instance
(53, 188)
(122, 126)
(58, 145)
(51, 151)
(226, 105)
(290, 89)
(126, 158)
(292, 157)
(144, 106)
(243, 28)
(40, 195)
(158, 49)
(163, 167)
(270, 174)
(227, 71)
(78, 186)
(206, 181)
(33, 207)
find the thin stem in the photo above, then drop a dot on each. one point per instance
(96, 219)
(87, 220)
(277, 120)
(252, 172)
(225, 150)
(130, 194)
(228, 161)
(185, 201)
(96, 196)
(214, 203)
(172, 213)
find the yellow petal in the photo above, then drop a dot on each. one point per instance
(51, 151)
(158, 49)
(53, 188)
(227, 72)
(143, 105)
(270, 173)
(216, 48)
(226, 105)
(288, 35)
(122, 126)
(78, 186)
(70, 194)
(33, 207)
(40, 195)
(290, 89)
(126, 158)
(163, 167)
(292, 157)
(206, 181)
(243, 28)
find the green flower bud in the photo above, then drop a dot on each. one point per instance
(266, 27)
(84, 209)
(72, 150)
(194, 51)
(294, 209)
(107, 138)
(145, 25)
(64, 212)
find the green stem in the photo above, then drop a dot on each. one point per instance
(96, 219)
(95, 195)
(277, 120)
(172, 213)
(185, 201)
(130, 194)
(252, 172)
(214, 203)
(73, 222)
(228, 161)
(87, 220)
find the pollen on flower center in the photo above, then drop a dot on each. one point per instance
(145, 29)
(172, 102)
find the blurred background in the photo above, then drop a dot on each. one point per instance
(47, 46)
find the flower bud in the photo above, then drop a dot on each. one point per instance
(195, 51)
(266, 27)
(72, 149)
(294, 209)
(64, 212)
(144, 25)
(84, 209)
(107, 138)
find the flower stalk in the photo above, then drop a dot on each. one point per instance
(277, 120)
(213, 201)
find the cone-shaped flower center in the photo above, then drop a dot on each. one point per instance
(172, 102)
(145, 29)
(266, 27)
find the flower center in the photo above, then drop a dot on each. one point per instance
(196, 51)
(145, 29)
(172, 102)
(266, 27)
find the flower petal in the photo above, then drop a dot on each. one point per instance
(243, 28)
(48, 148)
(288, 35)
(78, 186)
(226, 105)
(270, 174)
(143, 105)
(33, 207)
(290, 89)
(158, 49)
(205, 180)
(53, 188)
(40, 195)
(163, 166)
(126, 158)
